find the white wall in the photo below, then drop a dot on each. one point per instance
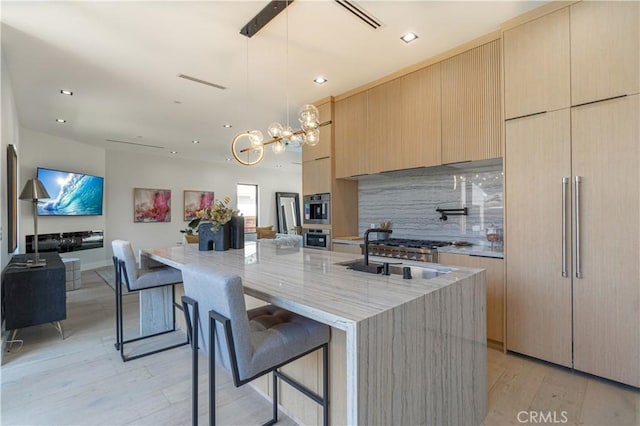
(43, 150)
(126, 170)
(10, 135)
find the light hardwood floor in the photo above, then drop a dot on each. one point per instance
(82, 381)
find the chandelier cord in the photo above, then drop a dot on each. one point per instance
(286, 69)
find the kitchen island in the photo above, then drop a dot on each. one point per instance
(402, 351)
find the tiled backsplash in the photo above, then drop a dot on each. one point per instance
(409, 199)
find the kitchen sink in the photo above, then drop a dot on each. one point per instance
(396, 268)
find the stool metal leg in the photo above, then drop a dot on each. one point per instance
(192, 337)
(212, 371)
(120, 341)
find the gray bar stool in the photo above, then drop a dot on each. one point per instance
(137, 279)
(249, 344)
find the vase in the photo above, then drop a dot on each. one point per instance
(191, 239)
(210, 240)
(237, 232)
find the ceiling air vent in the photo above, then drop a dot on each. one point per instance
(197, 80)
(133, 143)
(360, 13)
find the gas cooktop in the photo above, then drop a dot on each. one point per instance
(402, 248)
(409, 243)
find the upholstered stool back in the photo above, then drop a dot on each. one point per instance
(124, 251)
(222, 293)
(263, 338)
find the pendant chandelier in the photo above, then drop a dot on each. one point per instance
(281, 136)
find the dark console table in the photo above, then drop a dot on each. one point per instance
(32, 296)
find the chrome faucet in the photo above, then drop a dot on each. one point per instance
(366, 241)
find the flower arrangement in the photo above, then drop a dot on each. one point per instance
(218, 214)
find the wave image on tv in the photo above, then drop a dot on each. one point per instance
(72, 194)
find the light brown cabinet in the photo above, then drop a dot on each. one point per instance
(536, 64)
(598, 145)
(471, 111)
(494, 278)
(572, 207)
(605, 46)
(537, 158)
(323, 148)
(606, 154)
(351, 136)
(421, 143)
(384, 116)
(316, 176)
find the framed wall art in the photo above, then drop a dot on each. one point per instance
(12, 198)
(151, 205)
(196, 200)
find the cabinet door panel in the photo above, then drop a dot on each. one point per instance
(538, 296)
(385, 128)
(495, 288)
(322, 149)
(421, 118)
(606, 154)
(471, 105)
(605, 58)
(316, 176)
(351, 142)
(536, 66)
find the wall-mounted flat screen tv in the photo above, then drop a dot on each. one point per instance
(72, 194)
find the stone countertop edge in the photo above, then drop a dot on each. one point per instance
(474, 250)
(350, 242)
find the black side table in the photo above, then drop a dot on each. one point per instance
(32, 296)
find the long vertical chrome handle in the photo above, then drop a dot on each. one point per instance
(565, 181)
(577, 213)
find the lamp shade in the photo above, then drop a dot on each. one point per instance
(34, 190)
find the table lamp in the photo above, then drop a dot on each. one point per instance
(33, 191)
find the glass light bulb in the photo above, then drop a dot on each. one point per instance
(287, 132)
(310, 125)
(256, 138)
(308, 113)
(296, 140)
(278, 147)
(313, 137)
(275, 130)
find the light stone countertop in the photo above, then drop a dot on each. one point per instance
(310, 282)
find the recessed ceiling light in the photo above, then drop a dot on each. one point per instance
(174, 152)
(409, 37)
(67, 92)
(227, 126)
(60, 120)
(195, 141)
(320, 80)
(228, 159)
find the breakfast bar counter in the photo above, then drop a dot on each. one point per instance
(403, 351)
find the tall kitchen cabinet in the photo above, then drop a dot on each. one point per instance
(572, 187)
(319, 176)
